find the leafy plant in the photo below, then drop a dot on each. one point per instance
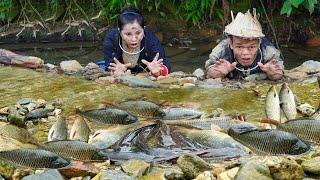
(5, 8)
(288, 5)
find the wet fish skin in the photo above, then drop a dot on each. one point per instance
(180, 113)
(103, 139)
(109, 116)
(37, 114)
(224, 123)
(272, 106)
(33, 158)
(306, 129)
(76, 150)
(287, 102)
(132, 81)
(58, 130)
(142, 108)
(270, 142)
(80, 130)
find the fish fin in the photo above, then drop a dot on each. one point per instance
(270, 121)
(95, 135)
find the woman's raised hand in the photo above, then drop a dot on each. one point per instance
(155, 66)
(117, 68)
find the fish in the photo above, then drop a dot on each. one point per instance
(76, 150)
(58, 130)
(38, 114)
(33, 158)
(306, 129)
(223, 123)
(209, 139)
(268, 141)
(142, 108)
(109, 116)
(180, 113)
(103, 139)
(287, 101)
(133, 81)
(272, 106)
(80, 130)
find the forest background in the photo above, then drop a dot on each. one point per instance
(48, 20)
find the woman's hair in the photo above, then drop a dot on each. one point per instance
(129, 15)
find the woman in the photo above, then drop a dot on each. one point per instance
(133, 47)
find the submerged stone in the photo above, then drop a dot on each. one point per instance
(192, 165)
(253, 170)
(312, 165)
(136, 168)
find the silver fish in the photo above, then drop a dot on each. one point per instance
(272, 107)
(58, 130)
(269, 141)
(109, 116)
(33, 158)
(76, 150)
(181, 113)
(103, 139)
(133, 81)
(287, 102)
(142, 108)
(80, 130)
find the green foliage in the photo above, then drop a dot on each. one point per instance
(288, 5)
(5, 8)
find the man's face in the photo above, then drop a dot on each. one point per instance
(245, 50)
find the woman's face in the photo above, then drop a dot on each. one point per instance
(245, 50)
(132, 34)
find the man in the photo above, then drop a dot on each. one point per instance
(245, 51)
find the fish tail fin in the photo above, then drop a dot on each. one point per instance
(270, 121)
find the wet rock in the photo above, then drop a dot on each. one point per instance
(106, 80)
(9, 58)
(19, 173)
(50, 174)
(312, 165)
(78, 168)
(155, 173)
(296, 75)
(112, 175)
(229, 174)
(192, 165)
(136, 168)
(167, 80)
(24, 101)
(306, 109)
(206, 175)
(16, 118)
(92, 71)
(284, 168)
(211, 85)
(256, 77)
(188, 85)
(310, 66)
(71, 66)
(199, 73)
(253, 169)
(173, 173)
(191, 80)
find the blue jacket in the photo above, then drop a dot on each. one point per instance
(151, 45)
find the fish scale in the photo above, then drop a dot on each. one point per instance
(270, 142)
(109, 116)
(76, 150)
(33, 158)
(142, 108)
(307, 129)
(272, 106)
(287, 101)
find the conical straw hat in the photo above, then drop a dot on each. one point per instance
(245, 25)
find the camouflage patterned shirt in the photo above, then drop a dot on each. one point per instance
(223, 51)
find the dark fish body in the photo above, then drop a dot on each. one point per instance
(33, 158)
(306, 129)
(109, 116)
(142, 108)
(38, 113)
(181, 113)
(224, 123)
(287, 101)
(270, 141)
(76, 150)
